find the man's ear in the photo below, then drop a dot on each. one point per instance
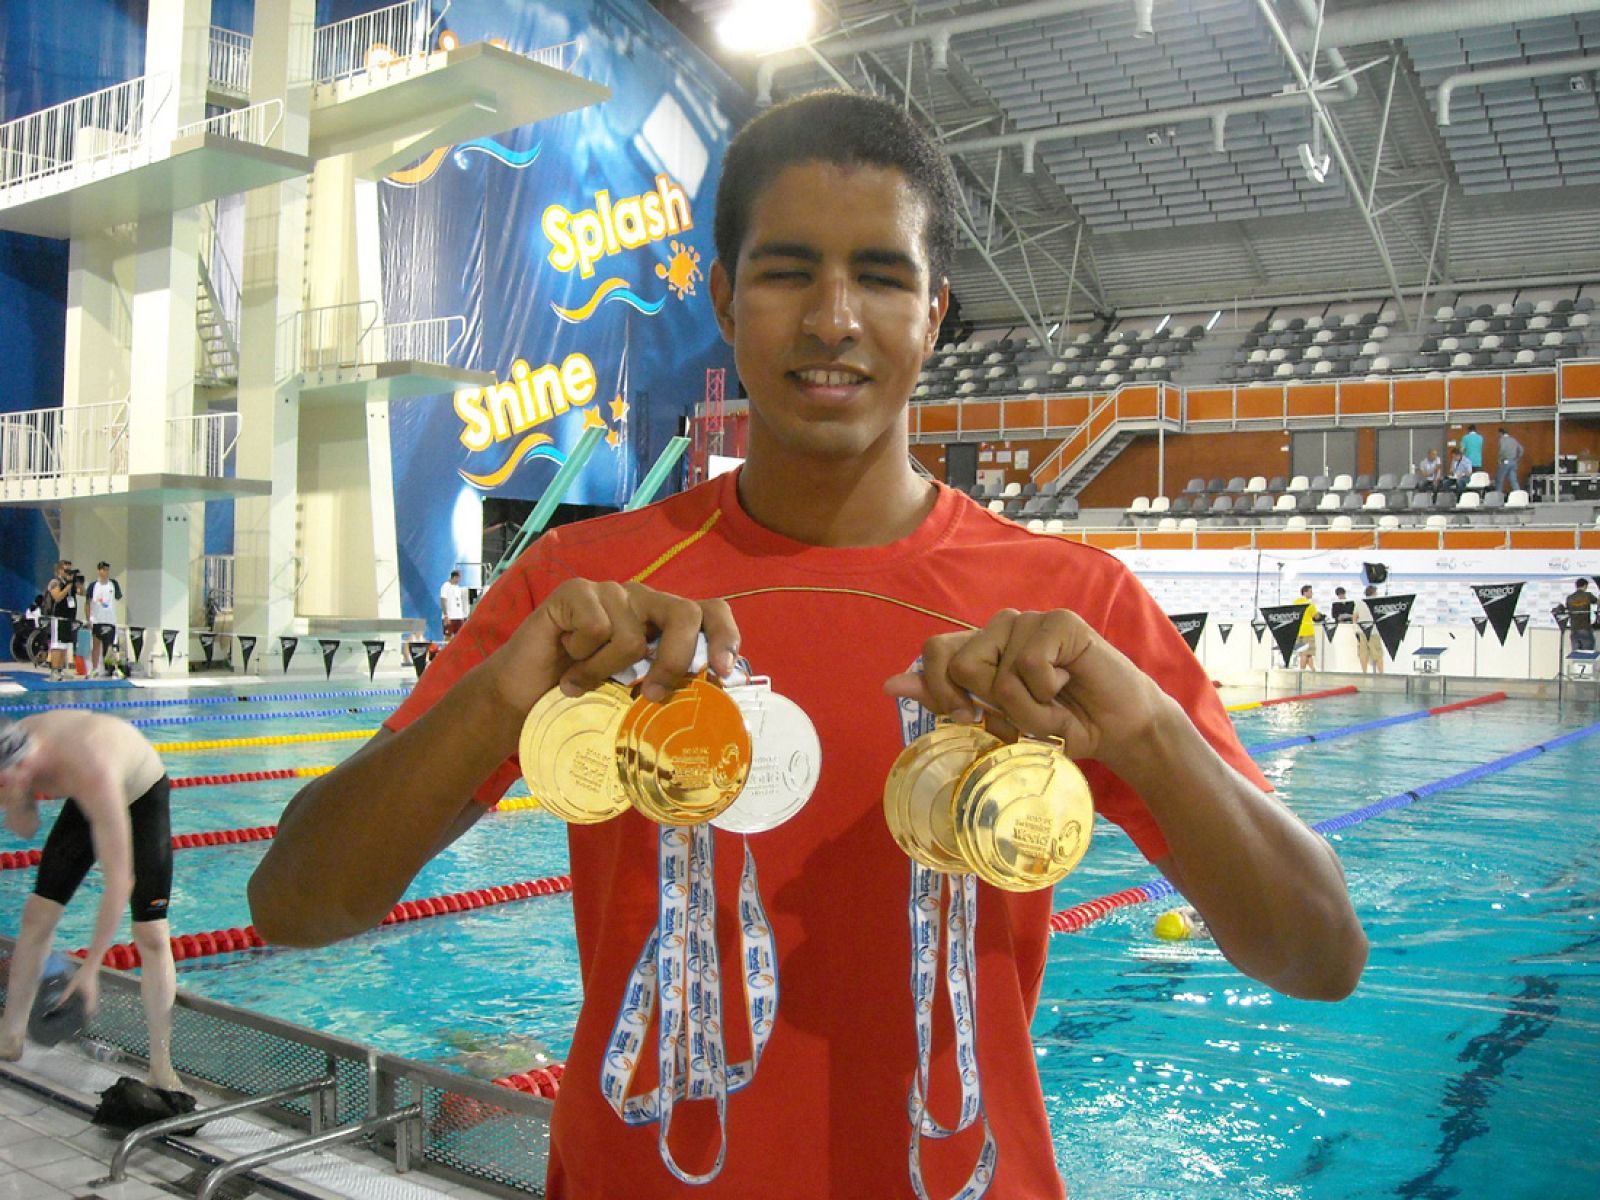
(938, 304)
(722, 299)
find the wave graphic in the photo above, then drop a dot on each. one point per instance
(421, 173)
(535, 445)
(611, 289)
(517, 160)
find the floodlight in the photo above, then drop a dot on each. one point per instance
(764, 26)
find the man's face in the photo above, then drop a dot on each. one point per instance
(104, 573)
(832, 316)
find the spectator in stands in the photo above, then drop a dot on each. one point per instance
(453, 605)
(1306, 645)
(1430, 472)
(1369, 646)
(1472, 447)
(1461, 469)
(1344, 611)
(1510, 455)
(1580, 612)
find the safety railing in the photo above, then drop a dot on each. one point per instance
(430, 340)
(215, 578)
(325, 338)
(373, 40)
(202, 445)
(78, 132)
(228, 68)
(563, 56)
(1266, 538)
(86, 439)
(256, 124)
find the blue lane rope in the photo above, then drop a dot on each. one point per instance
(1329, 735)
(270, 698)
(146, 722)
(1161, 887)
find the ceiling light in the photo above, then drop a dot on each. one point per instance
(763, 26)
(1143, 18)
(1165, 321)
(1215, 317)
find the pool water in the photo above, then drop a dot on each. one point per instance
(1462, 1066)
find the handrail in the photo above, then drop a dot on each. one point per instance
(201, 444)
(555, 55)
(80, 439)
(374, 39)
(333, 1137)
(322, 338)
(1208, 536)
(229, 65)
(425, 340)
(248, 124)
(79, 131)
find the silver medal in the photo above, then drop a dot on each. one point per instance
(786, 760)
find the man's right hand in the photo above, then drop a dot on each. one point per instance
(584, 632)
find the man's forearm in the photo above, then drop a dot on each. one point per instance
(1270, 889)
(351, 842)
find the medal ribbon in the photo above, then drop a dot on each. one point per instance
(961, 976)
(679, 963)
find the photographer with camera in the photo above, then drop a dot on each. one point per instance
(61, 603)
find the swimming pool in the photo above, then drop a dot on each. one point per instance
(1467, 1052)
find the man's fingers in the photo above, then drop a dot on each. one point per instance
(679, 623)
(722, 634)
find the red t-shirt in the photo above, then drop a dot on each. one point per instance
(826, 1115)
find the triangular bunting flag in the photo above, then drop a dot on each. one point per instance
(208, 643)
(1499, 602)
(286, 646)
(1521, 622)
(136, 640)
(1480, 624)
(1260, 627)
(374, 653)
(1328, 628)
(1366, 628)
(247, 647)
(1392, 616)
(1223, 630)
(419, 656)
(169, 639)
(1191, 626)
(1563, 618)
(330, 647)
(1284, 622)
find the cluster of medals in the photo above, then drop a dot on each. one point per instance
(733, 755)
(965, 806)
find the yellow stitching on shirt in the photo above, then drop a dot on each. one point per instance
(839, 591)
(673, 551)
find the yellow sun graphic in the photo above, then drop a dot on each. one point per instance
(682, 271)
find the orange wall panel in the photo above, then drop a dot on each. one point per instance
(1476, 391)
(1308, 400)
(1581, 380)
(935, 418)
(1364, 399)
(1283, 540)
(1211, 404)
(1260, 404)
(1541, 539)
(1474, 539)
(1422, 395)
(1530, 391)
(1408, 539)
(1221, 539)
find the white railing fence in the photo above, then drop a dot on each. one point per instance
(216, 579)
(229, 66)
(373, 39)
(563, 56)
(201, 445)
(321, 339)
(87, 439)
(112, 121)
(431, 340)
(255, 124)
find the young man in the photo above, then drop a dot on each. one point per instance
(1305, 646)
(115, 810)
(105, 593)
(1342, 610)
(1580, 612)
(453, 605)
(1510, 454)
(1472, 447)
(61, 603)
(1461, 469)
(829, 563)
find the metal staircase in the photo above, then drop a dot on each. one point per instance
(219, 348)
(1100, 455)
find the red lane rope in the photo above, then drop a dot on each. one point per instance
(1491, 698)
(236, 777)
(1347, 690)
(125, 955)
(17, 860)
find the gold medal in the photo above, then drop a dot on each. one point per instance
(918, 798)
(566, 753)
(688, 757)
(1023, 816)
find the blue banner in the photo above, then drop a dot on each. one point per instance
(577, 250)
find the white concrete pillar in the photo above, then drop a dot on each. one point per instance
(97, 333)
(177, 56)
(380, 480)
(157, 587)
(162, 361)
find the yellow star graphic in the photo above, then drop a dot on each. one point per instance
(619, 409)
(593, 419)
(612, 438)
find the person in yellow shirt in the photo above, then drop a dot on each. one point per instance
(1306, 646)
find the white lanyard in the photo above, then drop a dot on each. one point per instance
(961, 976)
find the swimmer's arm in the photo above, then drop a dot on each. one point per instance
(106, 810)
(351, 842)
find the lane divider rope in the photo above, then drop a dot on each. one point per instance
(125, 955)
(146, 722)
(1347, 690)
(1080, 916)
(270, 698)
(1328, 735)
(188, 781)
(288, 739)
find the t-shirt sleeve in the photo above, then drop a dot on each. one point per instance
(494, 619)
(1136, 626)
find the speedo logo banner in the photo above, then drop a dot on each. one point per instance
(1191, 626)
(1392, 616)
(1499, 602)
(1283, 623)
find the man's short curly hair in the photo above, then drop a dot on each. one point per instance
(847, 129)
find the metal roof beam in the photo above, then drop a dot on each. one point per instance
(1387, 22)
